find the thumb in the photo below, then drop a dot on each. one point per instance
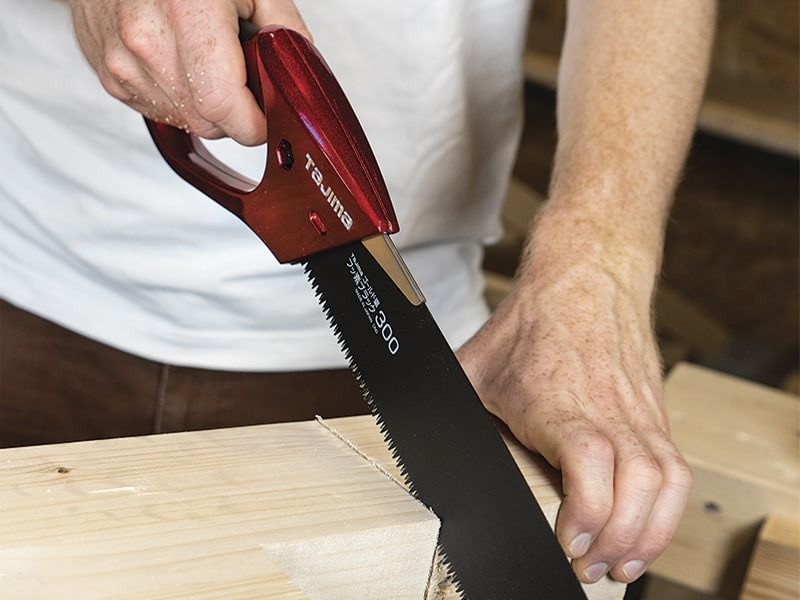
(279, 12)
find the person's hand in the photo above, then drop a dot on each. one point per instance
(180, 61)
(569, 362)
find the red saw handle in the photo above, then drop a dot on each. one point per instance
(321, 186)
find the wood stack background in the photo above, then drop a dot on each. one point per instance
(728, 297)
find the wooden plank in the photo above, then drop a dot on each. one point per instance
(290, 511)
(541, 68)
(774, 572)
(749, 126)
(791, 383)
(741, 440)
(543, 480)
(280, 511)
(683, 320)
(752, 91)
(717, 116)
(657, 588)
(496, 287)
(673, 351)
(521, 206)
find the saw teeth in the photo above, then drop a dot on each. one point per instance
(360, 380)
(452, 577)
(376, 415)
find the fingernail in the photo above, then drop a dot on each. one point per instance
(594, 572)
(633, 569)
(579, 545)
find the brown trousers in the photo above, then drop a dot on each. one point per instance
(58, 386)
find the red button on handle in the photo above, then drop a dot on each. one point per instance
(333, 172)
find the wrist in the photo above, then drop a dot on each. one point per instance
(570, 235)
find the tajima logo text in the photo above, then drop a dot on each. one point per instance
(327, 193)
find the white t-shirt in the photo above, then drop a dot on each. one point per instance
(99, 235)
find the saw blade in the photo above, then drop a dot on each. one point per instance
(495, 538)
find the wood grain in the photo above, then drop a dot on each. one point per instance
(279, 511)
(774, 572)
(290, 511)
(741, 440)
(543, 480)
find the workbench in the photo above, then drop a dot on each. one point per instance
(291, 511)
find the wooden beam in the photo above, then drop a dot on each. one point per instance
(543, 480)
(520, 207)
(717, 116)
(285, 511)
(774, 572)
(291, 511)
(685, 321)
(741, 440)
(496, 287)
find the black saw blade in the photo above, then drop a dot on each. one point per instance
(495, 538)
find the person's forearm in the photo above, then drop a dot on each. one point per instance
(630, 84)
(569, 359)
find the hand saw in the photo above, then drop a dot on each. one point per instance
(322, 202)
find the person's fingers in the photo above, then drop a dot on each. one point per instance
(115, 87)
(637, 483)
(279, 12)
(137, 89)
(152, 45)
(92, 49)
(162, 65)
(665, 516)
(84, 35)
(163, 59)
(586, 460)
(215, 71)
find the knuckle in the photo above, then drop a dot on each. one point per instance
(622, 540)
(211, 102)
(198, 125)
(127, 19)
(655, 544)
(118, 66)
(594, 444)
(213, 105)
(587, 461)
(680, 473)
(595, 512)
(205, 130)
(137, 33)
(141, 44)
(115, 91)
(177, 9)
(646, 472)
(590, 511)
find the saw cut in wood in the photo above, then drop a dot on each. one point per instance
(279, 511)
(542, 478)
(295, 511)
